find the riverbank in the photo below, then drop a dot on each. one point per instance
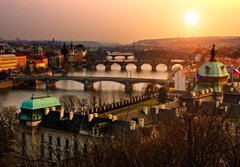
(6, 84)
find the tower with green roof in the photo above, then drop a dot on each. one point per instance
(33, 109)
(38, 50)
(212, 74)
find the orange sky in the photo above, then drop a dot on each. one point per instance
(122, 21)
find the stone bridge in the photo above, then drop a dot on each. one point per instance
(138, 63)
(89, 81)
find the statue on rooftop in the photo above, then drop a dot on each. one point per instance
(213, 53)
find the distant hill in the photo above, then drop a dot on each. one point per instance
(191, 42)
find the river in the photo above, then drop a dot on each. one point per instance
(111, 90)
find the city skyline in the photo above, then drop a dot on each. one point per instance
(116, 21)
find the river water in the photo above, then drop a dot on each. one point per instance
(110, 90)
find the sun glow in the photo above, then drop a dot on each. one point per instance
(191, 18)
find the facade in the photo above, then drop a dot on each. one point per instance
(8, 62)
(182, 79)
(39, 60)
(12, 62)
(48, 134)
(55, 59)
(212, 85)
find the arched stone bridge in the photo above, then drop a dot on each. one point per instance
(138, 63)
(89, 81)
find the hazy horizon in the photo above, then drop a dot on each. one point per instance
(119, 21)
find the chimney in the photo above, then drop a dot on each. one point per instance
(145, 110)
(53, 108)
(71, 115)
(207, 90)
(114, 118)
(95, 115)
(90, 117)
(155, 109)
(177, 112)
(46, 111)
(226, 108)
(141, 122)
(61, 113)
(132, 125)
(109, 116)
(193, 93)
(163, 106)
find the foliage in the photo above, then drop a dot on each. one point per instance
(7, 120)
(162, 95)
(73, 103)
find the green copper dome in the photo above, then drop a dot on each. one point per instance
(38, 48)
(40, 102)
(213, 69)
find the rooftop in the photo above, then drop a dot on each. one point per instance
(40, 102)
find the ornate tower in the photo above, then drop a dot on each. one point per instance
(212, 74)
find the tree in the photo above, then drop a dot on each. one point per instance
(7, 120)
(162, 95)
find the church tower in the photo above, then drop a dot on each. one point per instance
(212, 74)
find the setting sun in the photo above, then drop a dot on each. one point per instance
(191, 18)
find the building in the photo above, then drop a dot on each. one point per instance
(55, 59)
(183, 79)
(38, 59)
(212, 85)
(12, 62)
(48, 134)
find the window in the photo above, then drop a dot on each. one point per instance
(42, 138)
(50, 154)
(67, 143)
(207, 70)
(75, 145)
(58, 155)
(58, 141)
(23, 139)
(42, 151)
(50, 140)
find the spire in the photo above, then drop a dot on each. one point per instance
(71, 45)
(213, 53)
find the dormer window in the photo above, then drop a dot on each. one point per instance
(207, 70)
(222, 68)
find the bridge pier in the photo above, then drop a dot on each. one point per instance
(123, 67)
(93, 67)
(169, 67)
(51, 85)
(107, 67)
(88, 86)
(154, 68)
(128, 88)
(139, 68)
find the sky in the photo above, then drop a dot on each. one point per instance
(122, 21)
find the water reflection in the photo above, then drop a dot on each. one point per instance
(112, 91)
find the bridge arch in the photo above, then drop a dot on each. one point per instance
(131, 67)
(100, 67)
(108, 85)
(162, 67)
(72, 84)
(146, 67)
(140, 86)
(177, 66)
(119, 57)
(115, 66)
